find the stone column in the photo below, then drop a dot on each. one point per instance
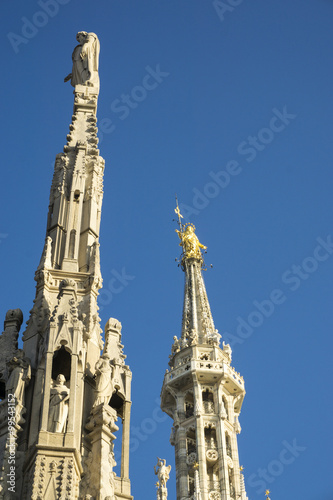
(181, 465)
(223, 464)
(125, 441)
(47, 387)
(102, 425)
(201, 447)
(72, 394)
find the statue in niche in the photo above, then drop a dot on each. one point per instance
(162, 471)
(20, 374)
(190, 243)
(193, 337)
(104, 383)
(59, 398)
(85, 61)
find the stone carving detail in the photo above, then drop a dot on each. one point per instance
(175, 346)
(104, 385)
(237, 425)
(214, 495)
(67, 283)
(38, 483)
(162, 472)
(68, 477)
(193, 337)
(212, 455)
(20, 375)
(86, 480)
(85, 60)
(8, 341)
(45, 261)
(101, 425)
(227, 350)
(191, 459)
(58, 412)
(59, 177)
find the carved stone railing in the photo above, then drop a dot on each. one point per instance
(236, 376)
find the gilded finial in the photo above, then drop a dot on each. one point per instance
(241, 468)
(267, 492)
(190, 243)
(188, 239)
(195, 466)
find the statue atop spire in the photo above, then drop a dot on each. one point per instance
(189, 240)
(190, 243)
(162, 471)
(85, 61)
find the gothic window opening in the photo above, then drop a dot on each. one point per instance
(228, 445)
(117, 403)
(61, 363)
(210, 438)
(189, 405)
(208, 401)
(191, 485)
(231, 484)
(191, 449)
(72, 243)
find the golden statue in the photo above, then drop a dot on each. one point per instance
(190, 243)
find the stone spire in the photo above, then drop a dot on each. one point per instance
(75, 394)
(202, 393)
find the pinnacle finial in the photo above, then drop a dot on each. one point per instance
(85, 61)
(162, 471)
(190, 243)
(189, 240)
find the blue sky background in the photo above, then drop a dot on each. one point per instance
(226, 73)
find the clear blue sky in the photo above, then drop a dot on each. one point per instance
(240, 126)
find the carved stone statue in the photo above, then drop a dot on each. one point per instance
(162, 471)
(45, 260)
(190, 243)
(20, 374)
(175, 347)
(227, 350)
(104, 385)
(59, 398)
(85, 61)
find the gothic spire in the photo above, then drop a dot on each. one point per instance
(202, 393)
(67, 396)
(197, 322)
